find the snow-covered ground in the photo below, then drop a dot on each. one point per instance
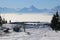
(34, 34)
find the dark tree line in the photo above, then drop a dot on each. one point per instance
(55, 25)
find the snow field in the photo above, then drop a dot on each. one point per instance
(35, 34)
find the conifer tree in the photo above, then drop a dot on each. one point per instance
(57, 21)
(4, 21)
(54, 22)
(0, 21)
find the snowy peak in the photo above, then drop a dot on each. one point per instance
(31, 9)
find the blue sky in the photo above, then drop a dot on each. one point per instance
(41, 4)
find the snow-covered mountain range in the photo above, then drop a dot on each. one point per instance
(31, 9)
